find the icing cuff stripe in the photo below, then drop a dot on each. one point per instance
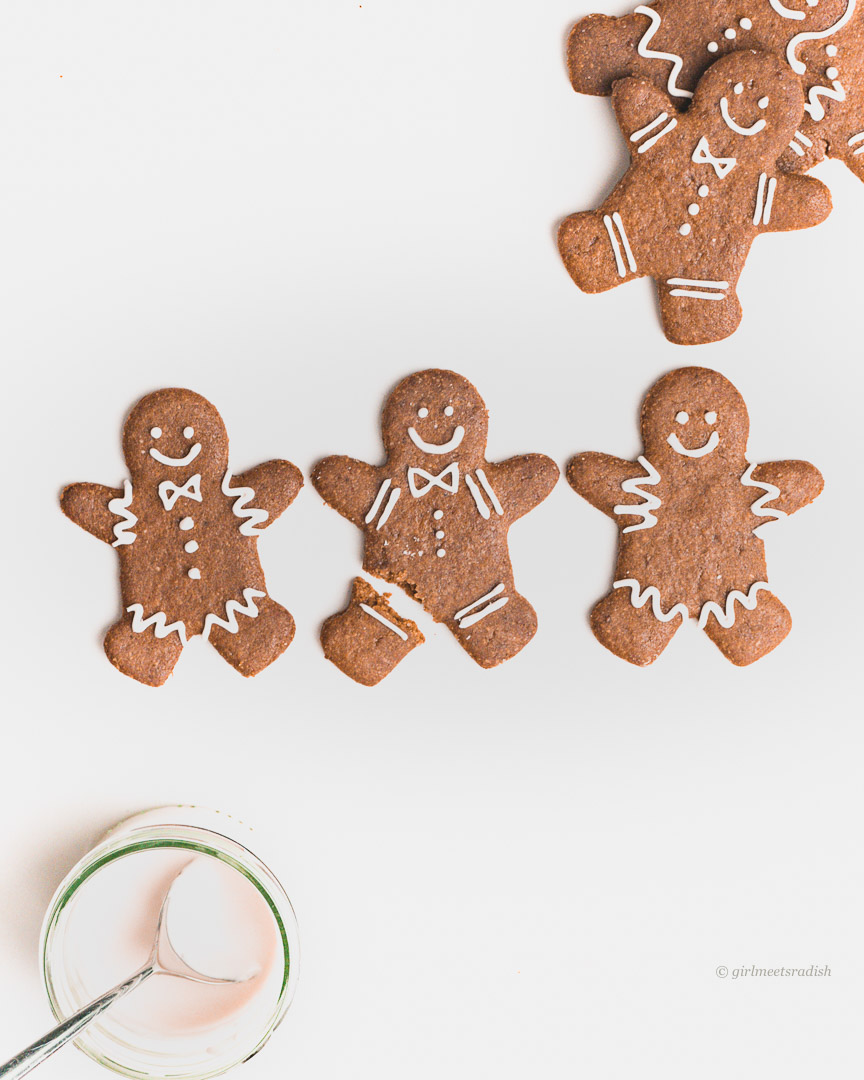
(673, 123)
(242, 497)
(487, 487)
(232, 609)
(388, 509)
(650, 502)
(120, 507)
(607, 221)
(631, 262)
(637, 135)
(478, 498)
(727, 618)
(379, 498)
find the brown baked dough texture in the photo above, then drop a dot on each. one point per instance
(700, 188)
(436, 514)
(673, 42)
(686, 513)
(186, 532)
(368, 639)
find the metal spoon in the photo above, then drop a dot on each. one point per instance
(164, 959)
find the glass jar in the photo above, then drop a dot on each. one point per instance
(171, 833)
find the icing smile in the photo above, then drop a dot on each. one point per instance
(434, 448)
(754, 129)
(176, 463)
(700, 451)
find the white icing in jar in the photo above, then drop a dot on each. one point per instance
(100, 927)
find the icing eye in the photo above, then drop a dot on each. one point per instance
(682, 417)
(448, 411)
(156, 432)
(710, 417)
(188, 432)
(423, 413)
(739, 88)
(763, 102)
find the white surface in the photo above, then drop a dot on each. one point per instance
(530, 871)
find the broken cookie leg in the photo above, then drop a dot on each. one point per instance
(750, 626)
(495, 627)
(368, 638)
(637, 634)
(147, 654)
(256, 640)
(596, 250)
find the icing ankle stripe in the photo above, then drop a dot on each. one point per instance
(159, 621)
(650, 54)
(487, 487)
(650, 502)
(488, 596)
(727, 618)
(640, 597)
(242, 497)
(120, 507)
(771, 493)
(469, 620)
(233, 608)
(385, 622)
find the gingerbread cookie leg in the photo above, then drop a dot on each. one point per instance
(258, 639)
(496, 626)
(141, 653)
(696, 309)
(749, 627)
(634, 633)
(596, 250)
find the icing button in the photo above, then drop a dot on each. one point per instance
(713, 46)
(195, 573)
(191, 547)
(439, 535)
(440, 553)
(438, 515)
(186, 524)
(685, 229)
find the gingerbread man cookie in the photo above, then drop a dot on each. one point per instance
(700, 188)
(687, 511)
(672, 43)
(186, 532)
(436, 514)
(834, 122)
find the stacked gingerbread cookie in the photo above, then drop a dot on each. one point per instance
(724, 106)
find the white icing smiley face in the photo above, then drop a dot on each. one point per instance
(175, 462)
(707, 447)
(746, 103)
(444, 447)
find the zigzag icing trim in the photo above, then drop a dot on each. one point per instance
(120, 507)
(233, 608)
(727, 618)
(242, 497)
(815, 107)
(643, 50)
(651, 502)
(797, 65)
(771, 493)
(639, 598)
(161, 627)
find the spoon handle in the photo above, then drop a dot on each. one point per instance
(43, 1048)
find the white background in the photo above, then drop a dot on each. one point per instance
(531, 871)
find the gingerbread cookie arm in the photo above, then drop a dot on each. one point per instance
(783, 203)
(789, 485)
(644, 113)
(89, 505)
(601, 50)
(270, 488)
(601, 480)
(349, 486)
(517, 485)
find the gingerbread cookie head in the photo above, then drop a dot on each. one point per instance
(432, 417)
(172, 430)
(748, 106)
(694, 415)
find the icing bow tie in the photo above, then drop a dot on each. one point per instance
(169, 492)
(421, 482)
(722, 165)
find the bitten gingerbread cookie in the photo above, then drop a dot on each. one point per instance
(186, 532)
(368, 639)
(687, 512)
(673, 42)
(436, 514)
(700, 188)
